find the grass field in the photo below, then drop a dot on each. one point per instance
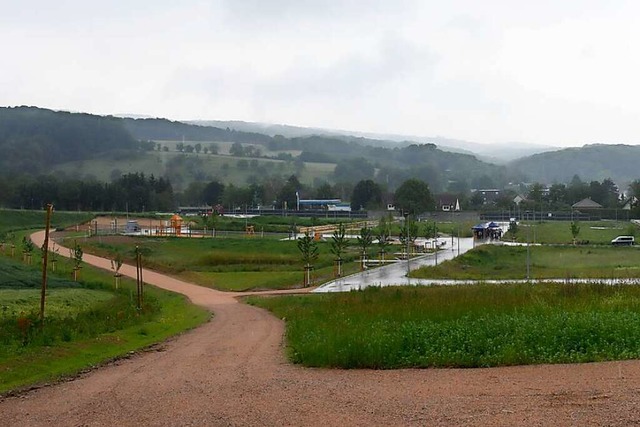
(183, 169)
(86, 323)
(461, 326)
(61, 302)
(559, 232)
(236, 264)
(546, 262)
(12, 220)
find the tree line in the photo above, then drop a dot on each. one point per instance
(132, 192)
(136, 192)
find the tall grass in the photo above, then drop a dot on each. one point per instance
(461, 326)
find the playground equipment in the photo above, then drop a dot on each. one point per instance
(176, 224)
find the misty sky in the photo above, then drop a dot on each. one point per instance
(547, 71)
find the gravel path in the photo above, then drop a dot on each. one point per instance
(233, 371)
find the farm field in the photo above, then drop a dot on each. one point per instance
(461, 326)
(182, 168)
(546, 262)
(229, 263)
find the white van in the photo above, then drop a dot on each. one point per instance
(623, 241)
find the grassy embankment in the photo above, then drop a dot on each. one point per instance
(234, 264)
(86, 322)
(461, 326)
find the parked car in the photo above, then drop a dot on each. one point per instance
(623, 241)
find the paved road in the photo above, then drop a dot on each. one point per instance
(396, 274)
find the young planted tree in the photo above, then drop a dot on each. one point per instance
(293, 228)
(513, 230)
(27, 249)
(116, 264)
(209, 223)
(12, 239)
(365, 239)
(339, 244)
(383, 235)
(575, 230)
(408, 235)
(308, 248)
(54, 257)
(431, 232)
(76, 256)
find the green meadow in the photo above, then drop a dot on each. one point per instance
(229, 263)
(12, 220)
(86, 322)
(559, 232)
(545, 262)
(461, 326)
(183, 168)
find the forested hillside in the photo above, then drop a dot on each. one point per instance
(163, 129)
(37, 141)
(32, 139)
(591, 162)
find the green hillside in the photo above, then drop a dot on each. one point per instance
(591, 162)
(31, 139)
(183, 169)
(39, 141)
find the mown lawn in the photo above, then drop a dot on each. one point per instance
(461, 326)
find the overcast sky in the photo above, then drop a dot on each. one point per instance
(558, 72)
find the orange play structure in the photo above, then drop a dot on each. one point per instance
(176, 224)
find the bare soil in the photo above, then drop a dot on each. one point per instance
(233, 371)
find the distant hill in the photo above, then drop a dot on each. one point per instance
(37, 141)
(32, 139)
(590, 162)
(493, 153)
(163, 129)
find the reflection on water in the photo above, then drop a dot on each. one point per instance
(396, 274)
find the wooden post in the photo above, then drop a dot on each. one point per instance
(139, 283)
(44, 262)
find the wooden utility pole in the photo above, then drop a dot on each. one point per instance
(139, 282)
(45, 253)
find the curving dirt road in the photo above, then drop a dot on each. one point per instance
(233, 371)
